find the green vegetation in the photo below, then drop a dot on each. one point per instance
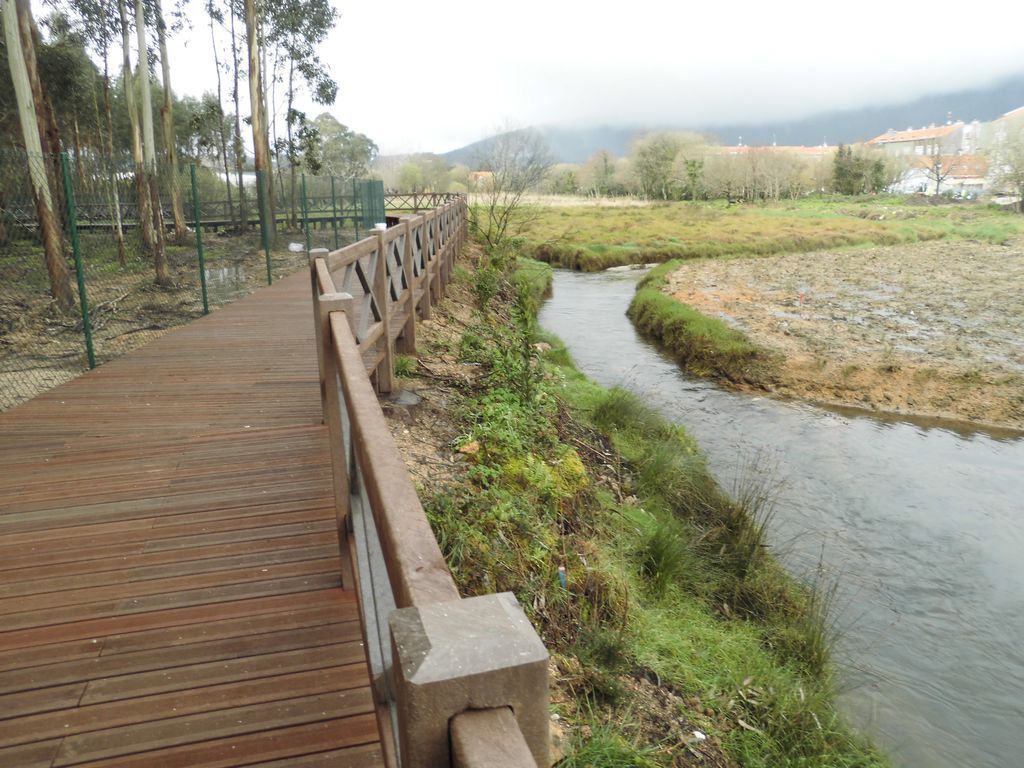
(669, 586)
(705, 345)
(591, 238)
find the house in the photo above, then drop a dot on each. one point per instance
(934, 140)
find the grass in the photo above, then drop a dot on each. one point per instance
(705, 345)
(668, 577)
(593, 238)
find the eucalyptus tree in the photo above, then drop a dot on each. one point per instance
(167, 121)
(100, 25)
(155, 218)
(211, 111)
(258, 118)
(145, 214)
(31, 103)
(296, 28)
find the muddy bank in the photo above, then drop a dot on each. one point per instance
(931, 329)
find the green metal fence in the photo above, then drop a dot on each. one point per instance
(95, 261)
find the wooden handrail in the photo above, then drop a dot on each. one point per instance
(433, 656)
(416, 568)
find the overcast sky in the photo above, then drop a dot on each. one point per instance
(430, 77)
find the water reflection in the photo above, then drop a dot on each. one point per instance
(921, 520)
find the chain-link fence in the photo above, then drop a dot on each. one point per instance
(98, 257)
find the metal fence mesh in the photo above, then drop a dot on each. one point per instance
(92, 286)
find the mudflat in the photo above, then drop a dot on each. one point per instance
(931, 329)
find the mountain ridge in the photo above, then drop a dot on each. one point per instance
(575, 145)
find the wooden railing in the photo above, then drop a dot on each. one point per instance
(458, 682)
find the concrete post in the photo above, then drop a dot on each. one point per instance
(472, 654)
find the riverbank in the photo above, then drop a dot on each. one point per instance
(676, 639)
(929, 329)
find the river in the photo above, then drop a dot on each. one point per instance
(921, 523)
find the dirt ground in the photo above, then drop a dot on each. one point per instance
(933, 329)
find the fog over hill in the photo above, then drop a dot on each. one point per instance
(575, 145)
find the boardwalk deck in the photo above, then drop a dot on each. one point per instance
(169, 576)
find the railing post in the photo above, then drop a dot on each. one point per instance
(199, 238)
(76, 250)
(477, 653)
(386, 368)
(424, 278)
(407, 339)
(318, 326)
(323, 307)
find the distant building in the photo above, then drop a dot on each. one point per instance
(823, 150)
(934, 140)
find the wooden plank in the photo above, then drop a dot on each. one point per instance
(115, 714)
(189, 615)
(112, 673)
(237, 721)
(277, 744)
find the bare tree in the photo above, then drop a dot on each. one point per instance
(512, 163)
(938, 167)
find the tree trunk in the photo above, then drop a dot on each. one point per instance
(243, 208)
(260, 140)
(149, 147)
(220, 121)
(113, 195)
(291, 141)
(21, 57)
(167, 118)
(144, 215)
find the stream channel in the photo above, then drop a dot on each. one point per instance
(920, 522)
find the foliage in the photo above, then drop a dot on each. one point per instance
(344, 153)
(857, 173)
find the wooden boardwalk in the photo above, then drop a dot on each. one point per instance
(169, 575)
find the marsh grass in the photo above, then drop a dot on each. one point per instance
(705, 345)
(592, 238)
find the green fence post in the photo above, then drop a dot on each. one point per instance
(305, 213)
(199, 238)
(264, 206)
(76, 250)
(334, 215)
(355, 209)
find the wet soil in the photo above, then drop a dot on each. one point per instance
(933, 329)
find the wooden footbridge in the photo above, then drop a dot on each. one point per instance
(211, 554)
